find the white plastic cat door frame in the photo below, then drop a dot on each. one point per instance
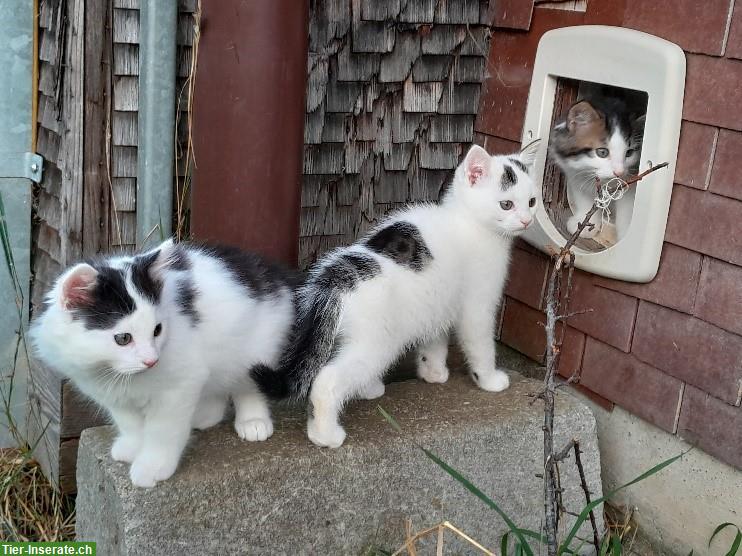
(630, 60)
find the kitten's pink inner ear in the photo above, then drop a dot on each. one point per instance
(476, 164)
(474, 173)
(77, 288)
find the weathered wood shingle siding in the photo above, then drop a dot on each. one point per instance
(86, 203)
(392, 94)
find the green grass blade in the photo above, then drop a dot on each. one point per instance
(584, 514)
(483, 497)
(616, 548)
(735, 543)
(389, 419)
(467, 484)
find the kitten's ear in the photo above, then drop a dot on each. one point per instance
(529, 152)
(162, 257)
(77, 286)
(638, 124)
(582, 113)
(476, 164)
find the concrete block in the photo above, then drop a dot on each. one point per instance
(286, 496)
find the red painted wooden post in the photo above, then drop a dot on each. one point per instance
(248, 124)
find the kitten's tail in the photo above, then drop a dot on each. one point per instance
(311, 347)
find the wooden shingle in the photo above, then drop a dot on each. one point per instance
(432, 67)
(451, 129)
(396, 66)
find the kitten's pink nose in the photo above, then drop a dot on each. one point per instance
(618, 173)
(149, 363)
(526, 221)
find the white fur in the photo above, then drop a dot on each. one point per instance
(469, 236)
(580, 173)
(199, 366)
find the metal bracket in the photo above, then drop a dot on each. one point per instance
(21, 165)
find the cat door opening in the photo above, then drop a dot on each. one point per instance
(605, 101)
(596, 137)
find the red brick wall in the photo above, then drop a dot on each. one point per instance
(669, 351)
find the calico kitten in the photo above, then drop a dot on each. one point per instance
(162, 340)
(421, 273)
(598, 138)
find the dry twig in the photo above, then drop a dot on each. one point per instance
(556, 314)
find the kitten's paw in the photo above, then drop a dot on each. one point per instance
(574, 222)
(254, 429)
(435, 374)
(372, 390)
(492, 381)
(125, 449)
(208, 414)
(150, 468)
(328, 437)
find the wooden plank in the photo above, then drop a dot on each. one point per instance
(47, 144)
(189, 6)
(126, 59)
(125, 26)
(126, 93)
(78, 412)
(449, 129)
(97, 87)
(47, 239)
(126, 226)
(323, 159)
(124, 128)
(421, 97)
(418, 11)
(457, 11)
(432, 67)
(68, 466)
(468, 69)
(398, 156)
(356, 152)
(356, 67)
(443, 39)
(374, 10)
(124, 192)
(439, 156)
(317, 75)
(123, 162)
(392, 187)
(44, 400)
(71, 148)
(397, 65)
(460, 99)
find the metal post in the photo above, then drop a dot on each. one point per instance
(157, 29)
(18, 166)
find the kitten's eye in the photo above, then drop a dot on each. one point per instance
(629, 152)
(123, 339)
(602, 153)
(506, 205)
(158, 330)
(532, 202)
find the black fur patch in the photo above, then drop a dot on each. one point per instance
(262, 278)
(403, 243)
(185, 297)
(346, 271)
(519, 164)
(142, 278)
(178, 259)
(509, 179)
(109, 301)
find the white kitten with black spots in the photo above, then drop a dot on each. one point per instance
(421, 274)
(162, 341)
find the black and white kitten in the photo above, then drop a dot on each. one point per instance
(602, 138)
(163, 340)
(421, 274)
